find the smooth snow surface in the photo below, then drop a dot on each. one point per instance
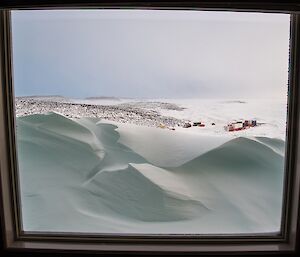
(85, 175)
(167, 148)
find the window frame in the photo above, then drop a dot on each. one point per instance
(15, 238)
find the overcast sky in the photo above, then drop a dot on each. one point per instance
(154, 54)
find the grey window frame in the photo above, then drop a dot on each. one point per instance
(16, 239)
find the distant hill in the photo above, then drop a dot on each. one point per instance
(103, 98)
(41, 96)
(45, 98)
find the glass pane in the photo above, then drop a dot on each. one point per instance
(151, 121)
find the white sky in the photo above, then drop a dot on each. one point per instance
(155, 54)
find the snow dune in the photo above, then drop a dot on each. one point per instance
(87, 176)
(166, 148)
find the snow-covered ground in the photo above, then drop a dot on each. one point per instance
(122, 113)
(270, 113)
(86, 175)
(105, 165)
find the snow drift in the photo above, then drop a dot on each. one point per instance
(86, 176)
